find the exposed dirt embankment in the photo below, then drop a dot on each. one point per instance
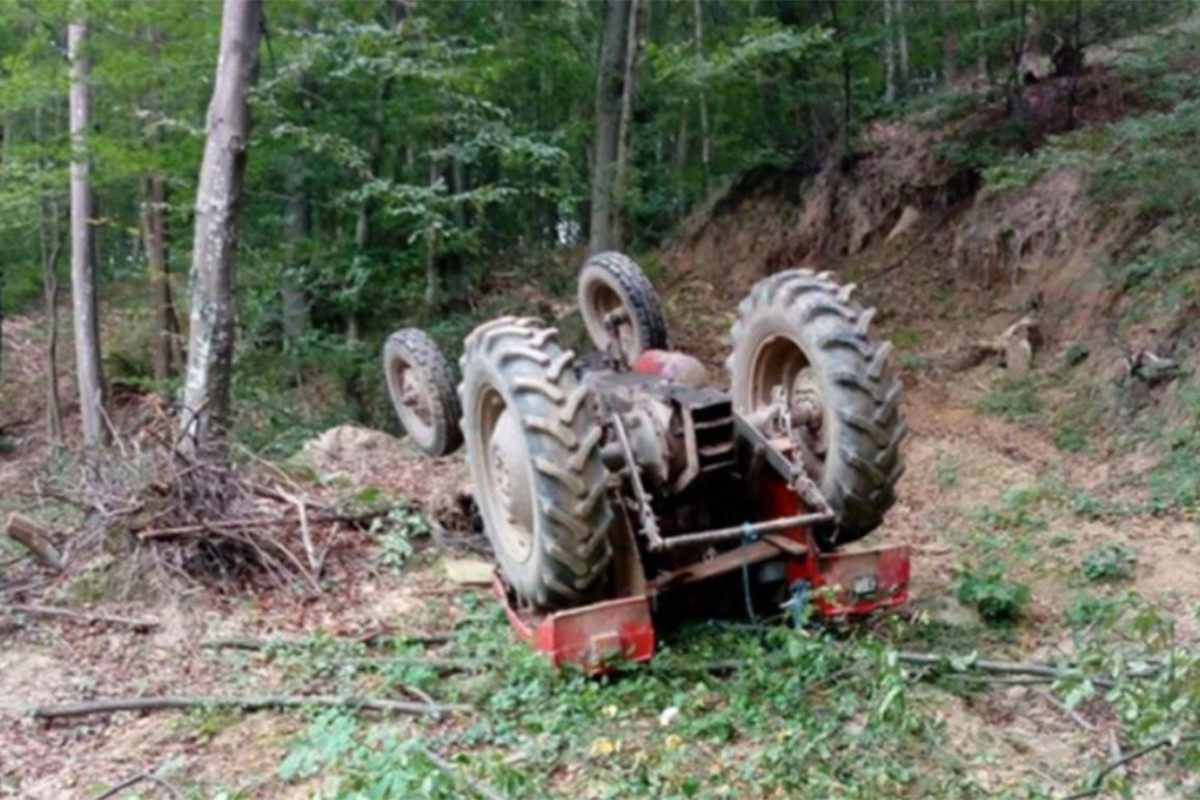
(948, 261)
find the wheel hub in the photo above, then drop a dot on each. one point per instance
(509, 478)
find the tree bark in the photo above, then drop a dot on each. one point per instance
(89, 370)
(608, 121)
(949, 42)
(154, 239)
(625, 128)
(51, 248)
(705, 136)
(297, 315)
(433, 282)
(889, 51)
(206, 399)
(981, 55)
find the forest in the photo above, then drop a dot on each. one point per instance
(217, 215)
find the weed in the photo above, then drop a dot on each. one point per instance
(1087, 505)
(1070, 438)
(1110, 562)
(1017, 400)
(913, 362)
(945, 472)
(7, 445)
(395, 533)
(1020, 509)
(999, 600)
(1076, 354)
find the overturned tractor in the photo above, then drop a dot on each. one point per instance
(613, 486)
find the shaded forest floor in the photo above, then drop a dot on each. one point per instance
(980, 490)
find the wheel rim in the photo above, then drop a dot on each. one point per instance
(411, 398)
(507, 491)
(782, 378)
(603, 301)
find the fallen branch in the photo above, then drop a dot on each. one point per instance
(305, 533)
(374, 637)
(1067, 711)
(205, 527)
(34, 537)
(478, 787)
(82, 616)
(1098, 782)
(1047, 671)
(134, 781)
(179, 703)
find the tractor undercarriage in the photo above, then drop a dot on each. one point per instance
(625, 488)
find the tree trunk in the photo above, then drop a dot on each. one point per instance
(902, 45)
(981, 56)
(889, 51)
(154, 239)
(705, 137)
(949, 42)
(433, 288)
(51, 246)
(88, 367)
(218, 200)
(608, 122)
(297, 315)
(625, 129)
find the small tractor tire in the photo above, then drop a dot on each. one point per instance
(802, 331)
(610, 282)
(533, 450)
(421, 386)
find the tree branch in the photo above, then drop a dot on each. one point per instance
(81, 616)
(254, 703)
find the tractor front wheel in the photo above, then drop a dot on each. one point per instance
(533, 450)
(421, 386)
(803, 353)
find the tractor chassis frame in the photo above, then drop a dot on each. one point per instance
(840, 583)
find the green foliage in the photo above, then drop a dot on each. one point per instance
(1017, 400)
(1174, 482)
(987, 588)
(1109, 562)
(1087, 505)
(945, 472)
(1075, 354)
(1070, 438)
(395, 533)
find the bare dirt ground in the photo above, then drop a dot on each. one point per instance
(960, 463)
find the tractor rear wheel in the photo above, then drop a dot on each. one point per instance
(533, 450)
(421, 386)
(802, 345)
(615, 296)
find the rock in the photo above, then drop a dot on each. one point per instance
(909, 218)
(469, 572)
(348, 443)
(1018, 357)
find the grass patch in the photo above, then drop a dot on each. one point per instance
(1109, 562)
(1017, 400)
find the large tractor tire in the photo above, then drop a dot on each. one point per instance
(421, 386)
(801, 339)
(613, 288)
(533, 449)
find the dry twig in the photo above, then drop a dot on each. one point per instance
(478, 787)
(255, 703)
(82, 616)
(134, 781)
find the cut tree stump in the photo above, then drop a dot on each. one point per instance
(34, 537)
